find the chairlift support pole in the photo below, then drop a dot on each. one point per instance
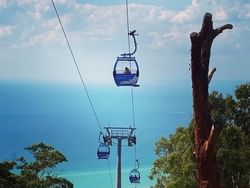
(120, 133)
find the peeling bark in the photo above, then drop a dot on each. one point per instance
(205, 131)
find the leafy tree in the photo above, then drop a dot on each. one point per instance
(242, 114)
(36, 174)
(7, 179)
(233, 157)
(175, 166)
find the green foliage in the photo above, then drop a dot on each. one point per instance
(233, 157)
(242, 115)
(36, 174)
(6, 177)
(175, 165)
(46, 159)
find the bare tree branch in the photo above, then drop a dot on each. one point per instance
(214, 134)
(210, 74)
(219, 30)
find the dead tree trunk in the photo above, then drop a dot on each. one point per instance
(205, 130)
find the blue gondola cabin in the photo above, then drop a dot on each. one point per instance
(103, 151)
(134, 176)
(126, 71)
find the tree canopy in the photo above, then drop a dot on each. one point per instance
(175, 165)
(35, 174)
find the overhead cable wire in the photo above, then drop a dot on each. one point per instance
(128, 26)
(111, 179)
(132, 90)
(77, 67)
(133, 105)
(129, 49)
(82, 81)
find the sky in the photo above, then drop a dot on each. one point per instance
(33, 47)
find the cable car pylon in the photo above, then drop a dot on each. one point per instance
(125, 73)
(120, 134)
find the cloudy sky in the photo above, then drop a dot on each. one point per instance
(33, 47)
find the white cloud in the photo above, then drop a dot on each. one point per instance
(38, 7)
(111, 20)
(89, 26)
(237, 46)
(45, 38)
(42, 39)
(98, 21)
(158, 40)
(89, 21)
(53, 24)
(247, 11)
(105, 15)
(3, 3)
(50, 34)
(24, 2)
(175, 36)
(220, 14)
(36, 27)
(87, 7)
(187, 14)
(150, 13)
(5, 31)
(178, 34)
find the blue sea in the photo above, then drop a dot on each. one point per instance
(60, 115)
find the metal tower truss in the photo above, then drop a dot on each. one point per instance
(119, 133)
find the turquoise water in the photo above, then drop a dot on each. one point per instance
(60, 115)
(100, 179)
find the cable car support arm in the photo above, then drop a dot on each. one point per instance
(133, 34)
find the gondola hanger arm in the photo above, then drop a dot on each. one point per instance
(133, 34)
